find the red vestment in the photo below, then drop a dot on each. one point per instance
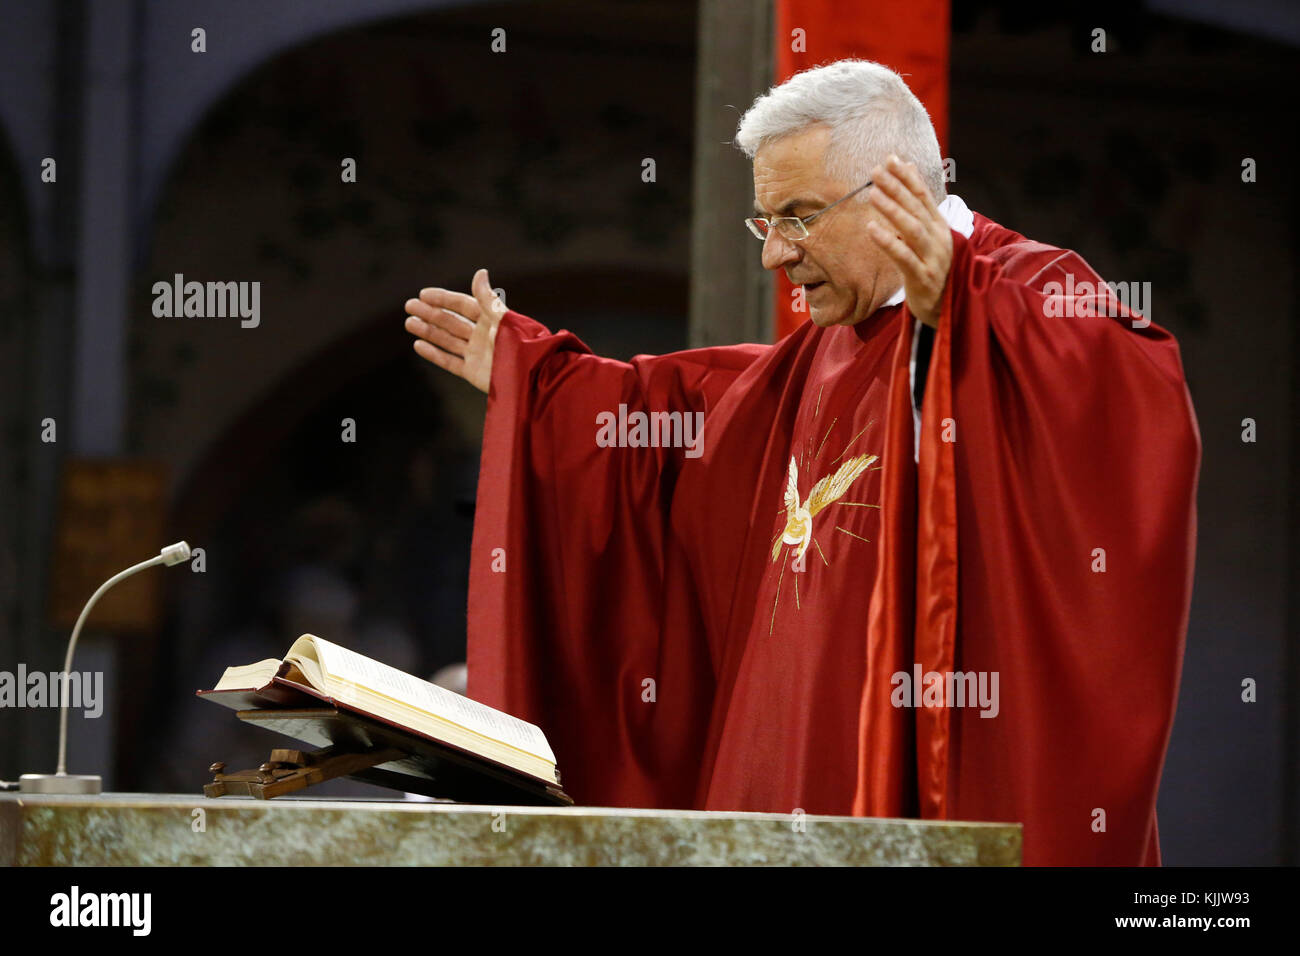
(642, 620)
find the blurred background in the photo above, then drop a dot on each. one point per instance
(122, 430)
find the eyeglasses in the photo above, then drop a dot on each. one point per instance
(793, 227)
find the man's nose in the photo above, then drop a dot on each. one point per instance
(778, 251)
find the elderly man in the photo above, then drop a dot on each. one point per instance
(930, 556)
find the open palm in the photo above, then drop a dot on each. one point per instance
(456, 331)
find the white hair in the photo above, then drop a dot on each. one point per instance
(870, 111)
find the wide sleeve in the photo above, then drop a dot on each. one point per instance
(568, 558)
(1055, 542)
(1076, 458)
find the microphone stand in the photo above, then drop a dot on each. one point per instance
(61, 781)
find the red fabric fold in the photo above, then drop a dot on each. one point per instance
(887, 759)
(936, 563)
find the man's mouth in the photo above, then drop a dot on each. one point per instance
(809, 286)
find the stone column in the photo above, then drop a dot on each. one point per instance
(731, 293)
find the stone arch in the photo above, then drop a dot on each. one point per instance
(223, 404)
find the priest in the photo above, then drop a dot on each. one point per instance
(928, 556)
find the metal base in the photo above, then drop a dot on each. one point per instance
(60, 783)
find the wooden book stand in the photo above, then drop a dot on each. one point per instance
(366, 749)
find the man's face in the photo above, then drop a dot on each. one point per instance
(845, 275)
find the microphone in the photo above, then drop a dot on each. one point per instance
(61, 781)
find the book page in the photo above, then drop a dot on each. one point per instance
(343, 664)
(248, 676)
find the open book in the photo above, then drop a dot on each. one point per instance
(317, 668)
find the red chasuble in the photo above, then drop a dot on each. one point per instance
(780, 615)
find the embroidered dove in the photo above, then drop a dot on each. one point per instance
(799, 517)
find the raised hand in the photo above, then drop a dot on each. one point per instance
(920, 242)
(456, 331)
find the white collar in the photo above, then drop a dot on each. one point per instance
(959, 217)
